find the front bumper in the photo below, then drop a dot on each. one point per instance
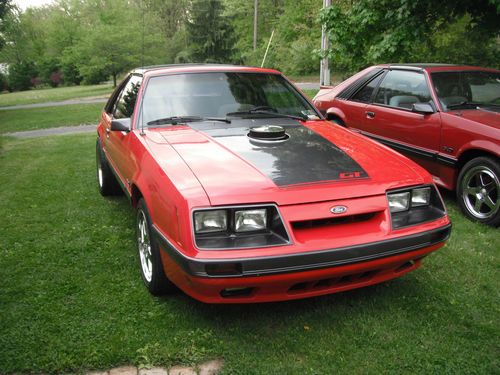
(277, 278)
(242, 267)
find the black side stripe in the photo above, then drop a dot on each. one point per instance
(445, 160)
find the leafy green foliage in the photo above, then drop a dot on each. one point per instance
(210, 34)
(364, 32)
(21, 74)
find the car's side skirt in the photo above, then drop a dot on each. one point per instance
(405, 149)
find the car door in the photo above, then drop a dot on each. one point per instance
(117, 142)
(389, 118)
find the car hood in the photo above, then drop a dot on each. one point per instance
(318, 162)
(483, 115)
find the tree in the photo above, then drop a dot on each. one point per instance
(209, 33)
(5, 8)
(364, 32)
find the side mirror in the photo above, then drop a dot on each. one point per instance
(423, 108)
(121, 125)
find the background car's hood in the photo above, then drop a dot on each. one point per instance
(319, 162)
(485, 116)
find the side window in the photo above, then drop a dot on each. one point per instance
(125, 104)
(365, 94)
(402, 89)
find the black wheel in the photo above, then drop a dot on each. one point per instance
(149, 255)
(106, 180)
(478, 190)
(337, 121)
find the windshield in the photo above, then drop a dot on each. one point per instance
(217, 95)
(459, 89)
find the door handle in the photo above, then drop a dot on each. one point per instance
(370, 114)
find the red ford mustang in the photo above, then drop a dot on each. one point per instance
(245, 193)
(444, 117)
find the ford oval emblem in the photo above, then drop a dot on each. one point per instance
(338, 209)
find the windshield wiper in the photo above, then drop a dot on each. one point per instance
(265, 110)
(175, 120)
(463, 103)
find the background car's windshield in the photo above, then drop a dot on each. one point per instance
(474, 87)
(216, 94)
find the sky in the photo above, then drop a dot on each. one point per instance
(23, 4)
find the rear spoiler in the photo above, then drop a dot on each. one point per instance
(326, 87)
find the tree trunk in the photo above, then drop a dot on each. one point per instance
(114, 80)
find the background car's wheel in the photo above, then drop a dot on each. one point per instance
(336, 120)
(478, 190)
(149, 254)
(105, 177)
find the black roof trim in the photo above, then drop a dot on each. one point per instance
(417, 66)
(148, 68)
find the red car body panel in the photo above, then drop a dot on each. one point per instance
(179, 169)
(443, 135)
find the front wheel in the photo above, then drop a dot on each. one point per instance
(478, 190)
(149, 254)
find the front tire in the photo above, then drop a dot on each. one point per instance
(149, 255)
(478, 190)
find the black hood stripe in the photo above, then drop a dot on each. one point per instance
(305, 157)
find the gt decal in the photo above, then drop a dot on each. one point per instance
(345, 175)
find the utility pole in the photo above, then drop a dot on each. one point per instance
(324, 73)
(255, 14)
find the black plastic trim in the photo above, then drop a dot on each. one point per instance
(305, 261)
(451, 162)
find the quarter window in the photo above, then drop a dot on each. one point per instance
(365, 94)
(125, 105)
(402, 89)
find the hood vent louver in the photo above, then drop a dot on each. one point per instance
(267, 134)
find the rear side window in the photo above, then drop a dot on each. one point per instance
(125, 104)
(402, 89)
(365, 94)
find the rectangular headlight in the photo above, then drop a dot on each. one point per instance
(420, 197)
(250, 220)
(210, 221)
(399, 201)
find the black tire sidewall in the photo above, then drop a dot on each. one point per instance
(159, 283)
(479, 161)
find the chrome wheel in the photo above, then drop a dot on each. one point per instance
(480, 190)
(144, 243)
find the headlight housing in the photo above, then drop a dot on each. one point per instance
(239, 227)
(412, 206)
(250, 220)
(210, 221)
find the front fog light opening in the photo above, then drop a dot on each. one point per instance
(420, 197)
(250, 220)
(399, 202)
(210, 221)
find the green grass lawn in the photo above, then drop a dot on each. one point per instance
(48, 117)
(72, 299)
(54, 94)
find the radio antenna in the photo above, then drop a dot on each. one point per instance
(142, 66)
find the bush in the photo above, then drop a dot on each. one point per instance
(21, 75)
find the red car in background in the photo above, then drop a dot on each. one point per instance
(444, 117)
(245, 193)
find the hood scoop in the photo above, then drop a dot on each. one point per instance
(268, 134)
